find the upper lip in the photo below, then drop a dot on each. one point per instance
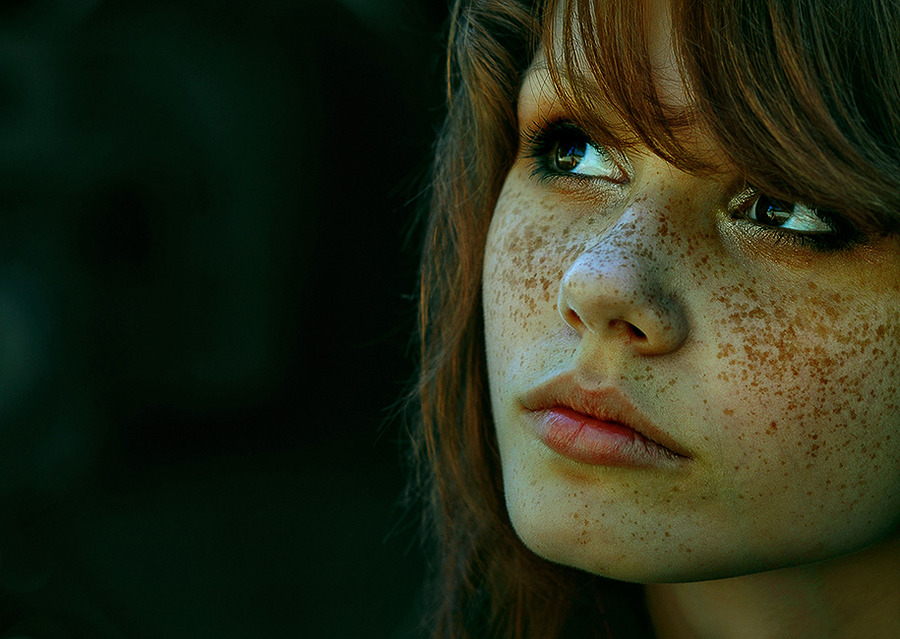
(605, 403)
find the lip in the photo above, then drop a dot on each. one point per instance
(600, 426)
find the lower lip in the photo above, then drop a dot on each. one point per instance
(599, 443)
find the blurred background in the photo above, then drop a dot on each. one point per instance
(208, 256)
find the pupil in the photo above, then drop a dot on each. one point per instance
(569, 155)
(772, 211)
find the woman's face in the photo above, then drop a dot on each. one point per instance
(754, 345)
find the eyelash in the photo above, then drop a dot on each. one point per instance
(542, 138)
(843, 235)
(539, 141)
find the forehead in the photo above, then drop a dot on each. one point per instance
(580, 97)
(575, 51)
(679, 74)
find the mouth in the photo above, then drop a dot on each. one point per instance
(599, 427)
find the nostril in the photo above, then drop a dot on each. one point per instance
(572, 319)
(627, 328)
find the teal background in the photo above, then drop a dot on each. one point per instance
(206, 261)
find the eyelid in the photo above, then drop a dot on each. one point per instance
(744, 197)
(843, 235)
(750, 194)
(538, 137)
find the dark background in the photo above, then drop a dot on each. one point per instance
(207, 255)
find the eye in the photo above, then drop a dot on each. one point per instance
(574, 153)
(788, 216)
(794, 222)
(564, 150)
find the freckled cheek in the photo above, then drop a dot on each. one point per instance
(814, 392)
(524, 265)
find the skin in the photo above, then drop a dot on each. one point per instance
(774, 365)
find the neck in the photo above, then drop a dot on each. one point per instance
(852, 597)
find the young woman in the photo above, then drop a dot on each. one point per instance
(660, 321)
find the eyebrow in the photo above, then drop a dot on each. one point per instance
(540, 63)
(585, 81)
(562, 95)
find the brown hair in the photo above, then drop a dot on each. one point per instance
(803, 97)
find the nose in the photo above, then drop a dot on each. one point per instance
(613, 290)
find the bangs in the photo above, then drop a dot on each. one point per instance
(601, 64)
(803, 98)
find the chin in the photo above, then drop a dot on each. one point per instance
(637, 564)
(622, 554)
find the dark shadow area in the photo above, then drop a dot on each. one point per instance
(205, 314)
